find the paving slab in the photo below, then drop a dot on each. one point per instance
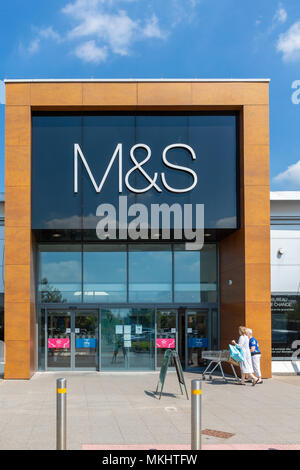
(122, 410)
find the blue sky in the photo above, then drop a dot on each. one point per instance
(164, 39)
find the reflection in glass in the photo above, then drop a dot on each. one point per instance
(54, 203)
(135, 273)
(195, 274)
(186, 276)
(127, 339)
(215, 329)
(105, 276)
(150, 273)
(59, 340)
(86, 340)
(166, 333)
(285, 325)
(41, 339)
(197, 337)
(60, 273)
(1, 317)
(208, 273)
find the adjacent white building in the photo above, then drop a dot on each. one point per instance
(285, 280)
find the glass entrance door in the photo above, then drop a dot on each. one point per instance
(72, 340)
(127, 339)
(86, 340)
(166, 336)
(197, 337)
(58, 343)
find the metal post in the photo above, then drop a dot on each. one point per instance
(61, 414)
(196, 394)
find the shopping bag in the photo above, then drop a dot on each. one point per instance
(233, 362)
(236, 354)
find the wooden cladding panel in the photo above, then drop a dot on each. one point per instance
(164, 94)
(18, 94)
(17, 126)
(230, 93)
(17, 323)
(109, 94)
(56, 94)
(17, 166)
(18, 279)
(17, 360)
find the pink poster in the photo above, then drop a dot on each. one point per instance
(167, 343)
(58, 343)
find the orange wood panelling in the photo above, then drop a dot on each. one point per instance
(56, 94)
(17, 360)
(109, 94)
(230, 94)
(18, 279)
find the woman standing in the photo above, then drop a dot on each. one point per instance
(246, 364)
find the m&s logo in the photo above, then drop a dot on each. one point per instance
(152, 180)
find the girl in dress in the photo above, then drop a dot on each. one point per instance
(246, 364)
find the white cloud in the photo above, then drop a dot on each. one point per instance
(152, 29)
(42, 34)
(289, 43)
(49, 33)
(98, 28)
(115, 29)
(280, 15)
(290, 176)
(34, 46)
(89, 52)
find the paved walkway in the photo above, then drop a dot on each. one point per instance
(121, 410)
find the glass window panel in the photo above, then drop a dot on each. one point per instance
(208, 273)
(41, 339)
(187, 276)
(1, 317)
(150, 273)
(105, 273)
(60, 278)
(54, 203)
(285, 325)
(101, 135)
(195, 274)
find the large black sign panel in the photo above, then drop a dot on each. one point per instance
(80, 161)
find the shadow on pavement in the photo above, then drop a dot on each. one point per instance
(156, 395)
(221, 382)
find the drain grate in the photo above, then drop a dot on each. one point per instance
(219, 434)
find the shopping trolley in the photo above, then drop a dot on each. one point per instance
(217, 357)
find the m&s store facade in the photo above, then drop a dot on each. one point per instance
(102, 178)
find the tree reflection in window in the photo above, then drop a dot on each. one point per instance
(50, 294)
